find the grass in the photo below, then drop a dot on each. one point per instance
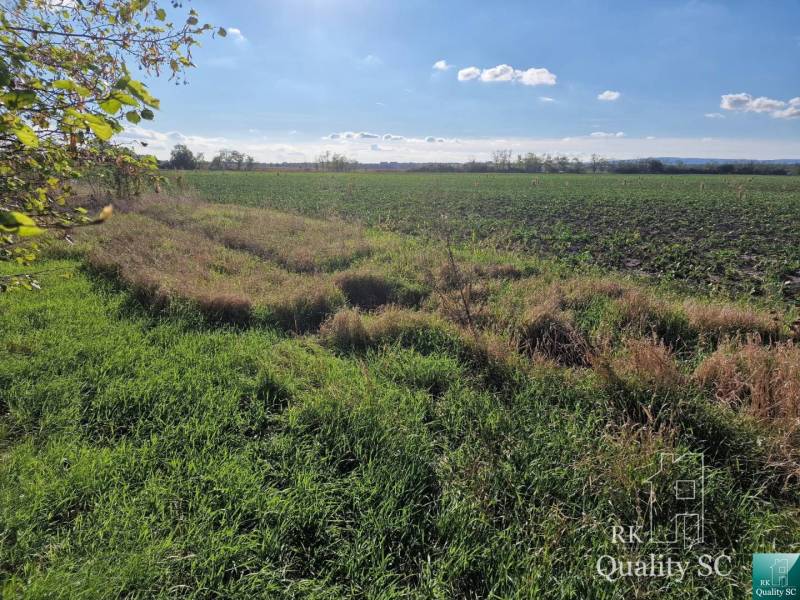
(709, 234)
(183, 417)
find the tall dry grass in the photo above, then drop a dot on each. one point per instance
(163, 265)
(763, 380)
(295, 243)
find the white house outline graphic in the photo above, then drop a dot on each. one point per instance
(690, 492)
(779, 572)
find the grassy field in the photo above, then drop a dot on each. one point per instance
(227, 400)
(731, 235)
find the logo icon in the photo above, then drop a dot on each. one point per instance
(685, 506)
(776, 575)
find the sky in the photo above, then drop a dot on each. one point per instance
(447, 80)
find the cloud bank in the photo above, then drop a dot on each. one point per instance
(507, 73)
(417, 149)
(743, 102)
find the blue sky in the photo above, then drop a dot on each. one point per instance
(297, 77)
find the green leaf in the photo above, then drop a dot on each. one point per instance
(126, 99)
(101, 127)
(161, 14)
(111, 105)
(221, 32)
(66, 84)
(18, 99)
(192, 21)
(138, 89)
(26, 135)
(148, 114)
(133, 117)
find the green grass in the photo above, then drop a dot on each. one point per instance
(151, 448)
(157, 456)
(732, 235)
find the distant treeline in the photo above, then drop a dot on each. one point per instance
(504, 162)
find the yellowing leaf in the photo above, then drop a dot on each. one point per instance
(29, 231)
(21, 218)
(105, 214)
(26, 135)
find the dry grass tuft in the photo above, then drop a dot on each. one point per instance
(650, 363)
(719, 321)
(549, 332)
(396, 324)
(580, 292)
(763, 380)
(500, 271)
(637, 309)
(345, 331)
(366, 288)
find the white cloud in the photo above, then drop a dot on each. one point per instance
(388, 137)
(236, 34)
(791, 112)
(441, 65)
(498, 73)
(418, 150)
(714, 115)
(604, 134)
(743, 102)
(735, 101)
(609, 96)
(430, 139)
(365, 135)
(535, 77)
(766, 105)
(650, 137)
(469, 73)
(546, 99)
(506, 73)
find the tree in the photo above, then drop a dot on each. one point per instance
(182, 158)
(66, 85)
(502, 160)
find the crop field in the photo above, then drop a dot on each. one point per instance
(228, 400)
(711, 234)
